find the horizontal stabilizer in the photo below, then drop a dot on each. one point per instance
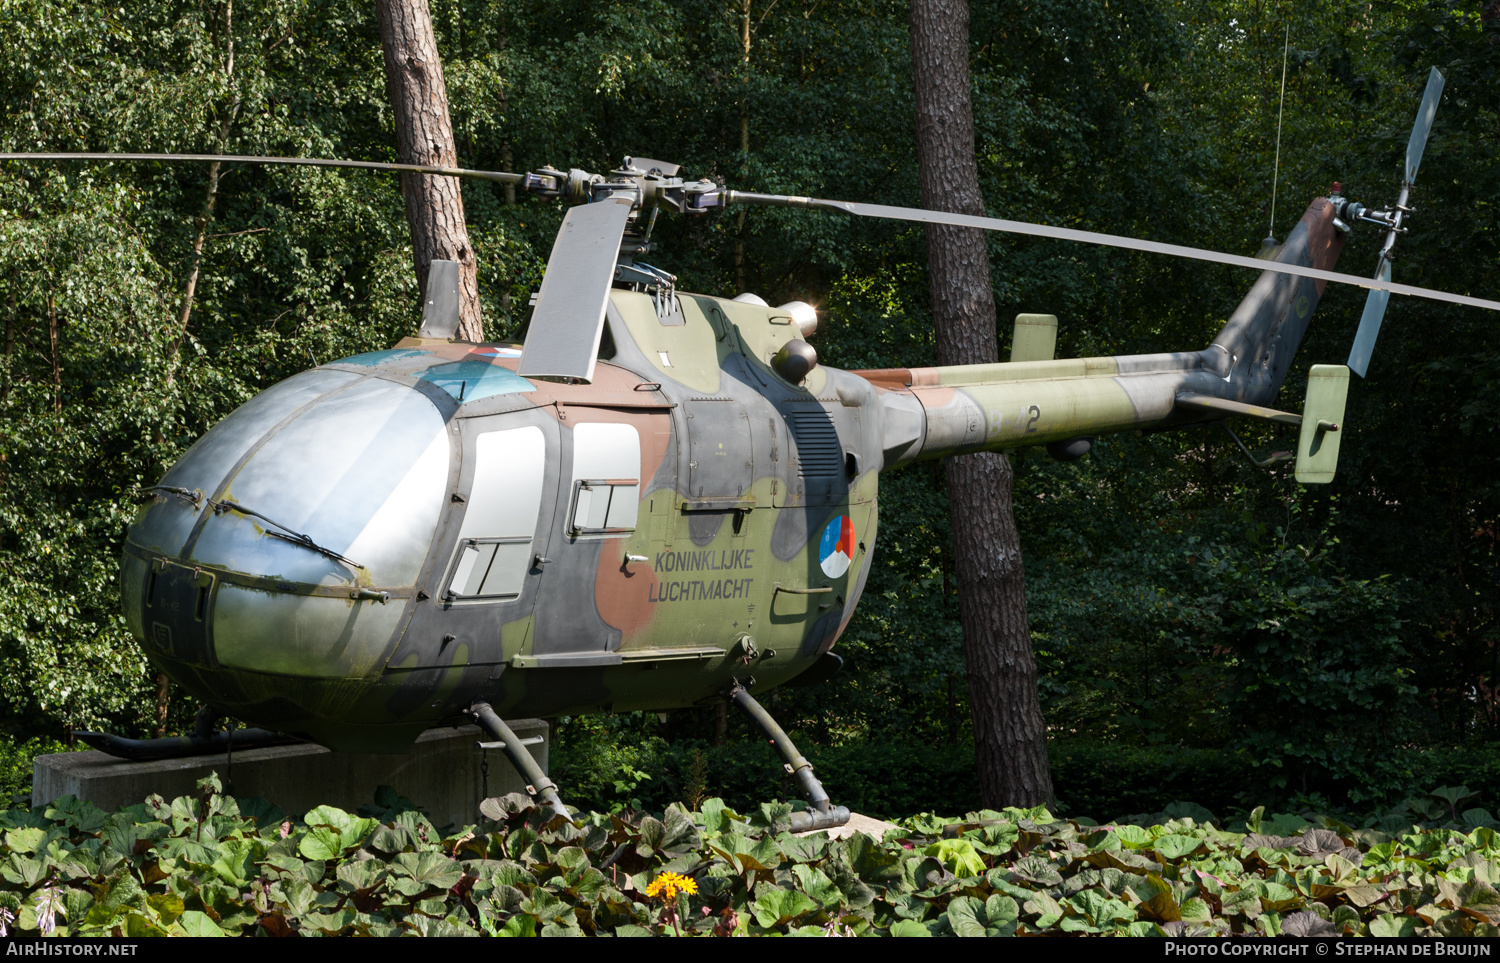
(1322, 423)
(1190, 400)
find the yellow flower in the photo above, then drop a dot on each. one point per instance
(668, 885)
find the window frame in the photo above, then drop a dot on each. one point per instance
(614, 486)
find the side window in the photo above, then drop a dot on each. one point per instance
(494, 543)
(606, 490)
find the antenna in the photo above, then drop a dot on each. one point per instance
(1276, 166)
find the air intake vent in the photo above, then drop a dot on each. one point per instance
(819, 454)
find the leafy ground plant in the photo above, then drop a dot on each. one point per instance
(210, 865)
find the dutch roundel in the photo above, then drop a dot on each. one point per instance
(836, 550)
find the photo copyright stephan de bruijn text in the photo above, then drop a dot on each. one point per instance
(1325, 948)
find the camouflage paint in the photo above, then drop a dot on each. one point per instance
(721, 578)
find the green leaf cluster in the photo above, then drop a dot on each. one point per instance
(210, 865)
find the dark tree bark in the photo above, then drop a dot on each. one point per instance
(1009, 734)
(424, 135)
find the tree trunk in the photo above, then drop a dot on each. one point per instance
(1009, 734)
(163, 704)
(424, 135)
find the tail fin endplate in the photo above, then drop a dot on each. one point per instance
(1322, 423)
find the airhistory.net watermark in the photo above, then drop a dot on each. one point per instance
(67, 948)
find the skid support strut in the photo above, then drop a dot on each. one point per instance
(822, 814)
(538, 786)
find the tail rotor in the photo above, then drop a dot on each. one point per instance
(1375, 303)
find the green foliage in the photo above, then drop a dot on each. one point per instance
(1319, 687)
(16, 759)
(1096, 780)
(211, 865)
(104, 381)
(1291, 664)
(629, 769)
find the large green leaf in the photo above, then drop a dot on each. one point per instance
(429, 869)
(331, 831)
(236, 860)
(1387, 925)
(965, 916)
(361, 876)
(195, 923)
(80, 814)
(778, 907)
(816, 884)
(26, 841)
(717, 817)
(906, 928)
(958, 855)
(1173, 847)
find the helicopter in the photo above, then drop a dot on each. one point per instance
(655, 500)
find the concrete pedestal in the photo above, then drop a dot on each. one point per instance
(443, 774)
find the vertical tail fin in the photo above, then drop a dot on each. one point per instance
(1256, 346)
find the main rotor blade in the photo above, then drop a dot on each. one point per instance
(500, 177)
(1423, 126)
(1369, 327)
(563, 340)
(1092, 237)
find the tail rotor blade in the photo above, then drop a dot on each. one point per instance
(1420, 129)
(1378, 299)
(1369, 326)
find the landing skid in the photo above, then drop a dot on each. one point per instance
(181, 747)
(538, 786)
(205, 741)
(822, 814)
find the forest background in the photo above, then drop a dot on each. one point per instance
(1203, 629)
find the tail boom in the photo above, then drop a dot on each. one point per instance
(992, 407)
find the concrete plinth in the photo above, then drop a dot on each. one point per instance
(859, 823)
(443, 774)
